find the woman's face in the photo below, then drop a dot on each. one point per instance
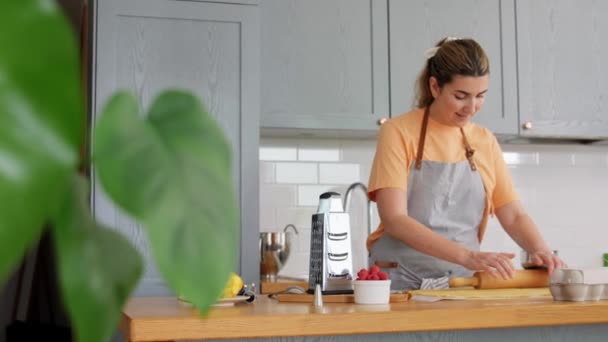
(456, 102)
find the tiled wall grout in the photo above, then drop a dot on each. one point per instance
(562, 187)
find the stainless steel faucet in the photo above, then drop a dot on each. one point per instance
(347, 196)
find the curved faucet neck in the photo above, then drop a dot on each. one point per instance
(350, 189)
(347, 196)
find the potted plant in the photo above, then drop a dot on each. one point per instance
(169, 168)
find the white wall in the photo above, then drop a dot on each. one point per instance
(563, 187)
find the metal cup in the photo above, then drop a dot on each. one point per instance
(275, 248)
(526, 261)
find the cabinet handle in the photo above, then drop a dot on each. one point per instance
(381, 121)
(527, 125)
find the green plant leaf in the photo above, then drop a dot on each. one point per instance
(171, 170)
(98, 268)
(40, 120)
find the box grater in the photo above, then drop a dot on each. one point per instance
(331, 263)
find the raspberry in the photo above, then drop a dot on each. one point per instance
(373, 276)
(362, 273)
(374, 269)
(374, 273)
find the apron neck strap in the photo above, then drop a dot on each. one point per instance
(425, 123)
(469, 152)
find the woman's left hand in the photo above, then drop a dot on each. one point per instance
(548, 259)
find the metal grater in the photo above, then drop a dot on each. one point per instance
(330, 247)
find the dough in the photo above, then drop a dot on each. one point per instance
(471, 293)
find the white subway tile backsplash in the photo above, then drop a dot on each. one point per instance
(582, 257)
(494, 237)
(563, 187)
(267, 172)
(358, 151)
(296, 265)
(301, 217)
(338, 173)
(277, 195)
(527, 195)
(516, 158)
(296, 173)
(560, 237)
(544, 177)
(557, 159)
(591, 160)
(308, 195)
(274, 153)
(318, 154)
(302, 243)
(272, 198)
(268, 218)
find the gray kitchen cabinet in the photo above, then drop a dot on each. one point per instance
(324, 64)
(563, 77)
(416, 26)
(212, 49)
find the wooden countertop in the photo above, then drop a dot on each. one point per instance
(167, 319)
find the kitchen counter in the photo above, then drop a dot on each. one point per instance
(167, 319)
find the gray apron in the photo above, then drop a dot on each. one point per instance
(449, 198)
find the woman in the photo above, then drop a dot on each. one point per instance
(436, 178)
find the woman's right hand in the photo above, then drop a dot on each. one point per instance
(496, 264)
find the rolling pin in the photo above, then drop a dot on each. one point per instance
(521, 279)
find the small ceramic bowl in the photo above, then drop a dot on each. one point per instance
(372, 291)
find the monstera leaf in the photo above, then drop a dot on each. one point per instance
(171, 170)
(40, 121)
(98, 268)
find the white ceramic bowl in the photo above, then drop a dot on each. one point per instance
(372, 291)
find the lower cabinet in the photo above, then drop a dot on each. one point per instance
(212, 49)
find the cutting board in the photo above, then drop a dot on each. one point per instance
(337, 298)
(267, 287)
(471, 293)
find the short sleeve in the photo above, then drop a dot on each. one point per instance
(391, 163)
(504, 191)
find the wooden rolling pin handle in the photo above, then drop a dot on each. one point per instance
(521, 279)
(460, 282)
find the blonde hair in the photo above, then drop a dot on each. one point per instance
(452, 56)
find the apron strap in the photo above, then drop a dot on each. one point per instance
(425, 123)
(469, 152)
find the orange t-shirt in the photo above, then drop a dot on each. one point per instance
(398, 145)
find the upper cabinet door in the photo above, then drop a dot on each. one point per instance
(324, 64)
(563, 77)
(416, 26)
(211, 49)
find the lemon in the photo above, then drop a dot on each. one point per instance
(233, 287)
